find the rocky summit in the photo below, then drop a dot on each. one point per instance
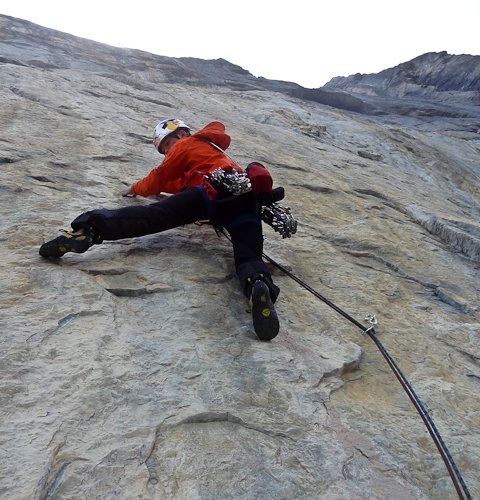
(132, 371)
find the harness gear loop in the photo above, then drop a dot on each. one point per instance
(229, 183)
(280, 218)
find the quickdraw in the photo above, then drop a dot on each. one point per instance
(229, 183)
(280, 219)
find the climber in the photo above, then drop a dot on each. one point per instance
(187, 171)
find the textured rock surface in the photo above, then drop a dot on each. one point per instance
(132, 371)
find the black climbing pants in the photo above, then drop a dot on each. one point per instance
(239, 216)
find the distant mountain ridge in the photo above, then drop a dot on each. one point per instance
(429, 73)
(427, 76)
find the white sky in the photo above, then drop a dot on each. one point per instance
(304, 41)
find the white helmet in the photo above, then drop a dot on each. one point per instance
(165, 128)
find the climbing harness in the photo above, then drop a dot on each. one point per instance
(452, 468)
(456, 477)
(280, 218)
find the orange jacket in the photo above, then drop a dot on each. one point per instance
(186, 162)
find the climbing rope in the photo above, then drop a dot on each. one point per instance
(452, 468)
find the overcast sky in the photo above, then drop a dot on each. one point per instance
(304, 41)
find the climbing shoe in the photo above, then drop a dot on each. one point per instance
(264, 316)
(67, 242)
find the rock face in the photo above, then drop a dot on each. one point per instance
(132, 371)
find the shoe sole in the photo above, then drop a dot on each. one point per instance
(264, 316)
(56, 249)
